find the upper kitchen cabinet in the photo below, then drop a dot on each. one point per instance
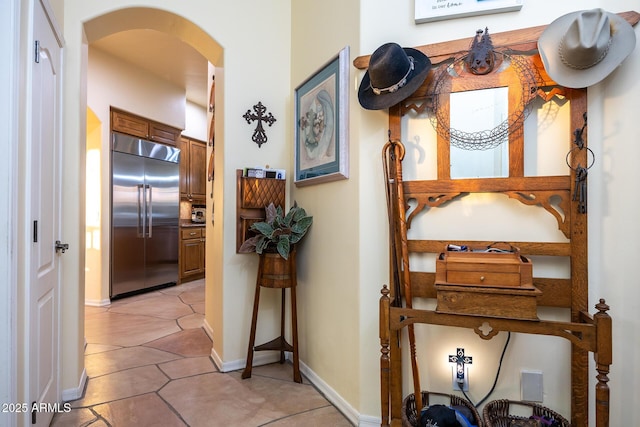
(131, 124)
(193, 169)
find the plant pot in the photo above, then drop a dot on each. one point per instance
(275, 271)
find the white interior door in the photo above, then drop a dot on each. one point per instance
(45, 189)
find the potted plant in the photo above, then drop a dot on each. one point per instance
(278, 232)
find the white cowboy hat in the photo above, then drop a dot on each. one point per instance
(581, 48)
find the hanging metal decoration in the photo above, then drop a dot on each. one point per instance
(482, 59)
(259, 135)
(580, 188)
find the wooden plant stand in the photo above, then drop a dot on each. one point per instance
(276, 272)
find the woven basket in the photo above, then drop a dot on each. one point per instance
(411, 416)
(496, 413)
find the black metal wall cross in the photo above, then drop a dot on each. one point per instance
(259, 135)
(460, 360)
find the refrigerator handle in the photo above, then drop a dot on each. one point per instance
(150, 209)
(141, 213)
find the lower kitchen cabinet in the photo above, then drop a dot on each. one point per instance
(192, 253)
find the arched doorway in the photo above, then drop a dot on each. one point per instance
(152, 24)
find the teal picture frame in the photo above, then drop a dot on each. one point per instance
(321, 104)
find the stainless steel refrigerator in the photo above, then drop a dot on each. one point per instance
(145, 212)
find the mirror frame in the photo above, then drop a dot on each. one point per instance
(517, 75)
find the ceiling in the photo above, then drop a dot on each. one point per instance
(163, 55)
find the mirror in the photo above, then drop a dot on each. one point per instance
(479, 111)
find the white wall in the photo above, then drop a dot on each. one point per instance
(330, 256)
(115, 83)
(195, 124)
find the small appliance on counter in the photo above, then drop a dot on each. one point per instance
(199, 213)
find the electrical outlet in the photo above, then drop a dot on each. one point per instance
(531, 386)
(454, 379)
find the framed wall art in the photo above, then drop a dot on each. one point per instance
(437, 10)
(321, 123)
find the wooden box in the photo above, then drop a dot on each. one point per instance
(486, 283)
(253, 195)
(510, 303)
(494, 269)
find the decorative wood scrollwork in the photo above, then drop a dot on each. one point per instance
(548, 95)
(423, 200)
(486, 331)
(543, 198)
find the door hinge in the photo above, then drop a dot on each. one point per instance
(33, 412)
(35, 231)
(61, 246)
(37, 52)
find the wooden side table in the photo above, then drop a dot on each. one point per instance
(276, 272)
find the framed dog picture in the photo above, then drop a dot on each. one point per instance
(437, 10)
(321, 123)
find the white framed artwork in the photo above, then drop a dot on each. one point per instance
(437, 10)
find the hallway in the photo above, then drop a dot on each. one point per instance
(147, 359)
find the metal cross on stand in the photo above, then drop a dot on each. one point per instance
(460, 360)
(259, 135)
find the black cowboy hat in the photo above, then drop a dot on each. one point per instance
(394, 73)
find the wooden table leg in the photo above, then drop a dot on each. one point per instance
(294, 331)
(279, 344)
(252, 336)
(282, 316)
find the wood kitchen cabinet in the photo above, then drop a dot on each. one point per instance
(192, 253)
(193, 169)
(131, 124)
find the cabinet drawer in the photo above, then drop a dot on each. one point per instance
(486, 278)
(192, 233)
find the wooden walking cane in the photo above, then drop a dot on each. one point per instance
(395, 285)
(400, 250)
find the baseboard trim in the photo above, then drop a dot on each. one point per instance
(331, 395)
(207, 328)
(236, 365)
(260, 358)
(369, 421)
(77, 392)
(97, 302)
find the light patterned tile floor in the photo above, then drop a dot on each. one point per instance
(147, 359)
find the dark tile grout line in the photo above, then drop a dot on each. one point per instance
(169, 380)
(308, 411)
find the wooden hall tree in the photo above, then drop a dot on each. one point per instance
(558, 195)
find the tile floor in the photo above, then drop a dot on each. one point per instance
(147, 359)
